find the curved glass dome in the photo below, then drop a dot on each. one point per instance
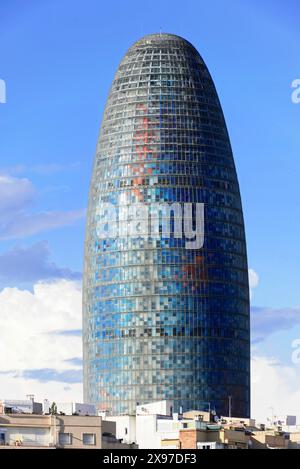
(161, 321)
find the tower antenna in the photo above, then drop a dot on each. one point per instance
(229, 405)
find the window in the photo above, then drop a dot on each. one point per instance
(88, 438)
(65, 438)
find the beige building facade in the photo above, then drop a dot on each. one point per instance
(57, 431)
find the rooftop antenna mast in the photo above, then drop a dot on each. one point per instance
(229, 405)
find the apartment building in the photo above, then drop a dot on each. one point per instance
(57, 431)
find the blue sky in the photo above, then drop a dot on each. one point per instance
(58, 59)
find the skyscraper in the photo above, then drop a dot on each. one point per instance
(161, 320)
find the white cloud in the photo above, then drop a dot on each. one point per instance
(266, 321)
(17, 219)
(15, 194)
(27, 341)
(275, 389)
(16, 387)
(41, 169)
(29, 224)
(25, 265)
(253, 281)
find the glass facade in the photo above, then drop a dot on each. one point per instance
(161, 321)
